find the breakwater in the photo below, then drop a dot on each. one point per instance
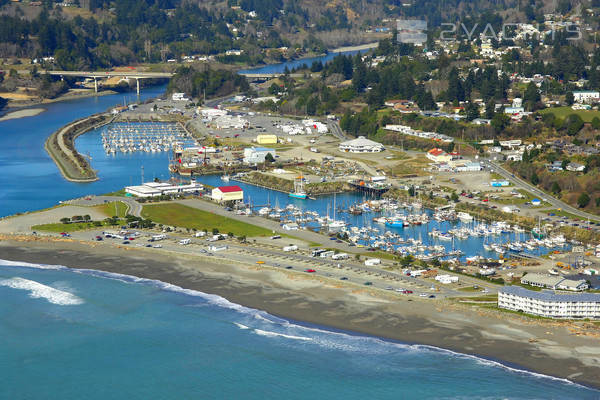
(61, 147)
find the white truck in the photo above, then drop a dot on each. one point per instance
(156, 238)
(185, 242)
(291, 247)
(372, 261)
(327, 254)
(339, 256)
(217, 248)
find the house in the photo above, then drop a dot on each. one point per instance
(361, 145)
(575, 167)
(227, 193)
(555, 166)
(438, 155)
(586, 96)
(254, 155)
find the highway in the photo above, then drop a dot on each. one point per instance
(534, 190)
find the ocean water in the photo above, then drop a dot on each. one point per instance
(83, 334)
(31, 181)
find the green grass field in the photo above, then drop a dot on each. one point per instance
(74, 227)
(563, 112)
(188, 217)
(109, 209)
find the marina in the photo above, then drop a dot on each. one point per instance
(398, 226)
(149, 137)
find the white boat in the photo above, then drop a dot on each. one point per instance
(464, 217)
(225, 178)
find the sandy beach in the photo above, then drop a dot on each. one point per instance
(28, 112)
(556, 348)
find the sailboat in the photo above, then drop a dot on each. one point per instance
(298, 192)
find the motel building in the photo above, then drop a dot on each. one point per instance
(222, 194)
(550, 304)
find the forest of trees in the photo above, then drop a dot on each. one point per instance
(207, 82)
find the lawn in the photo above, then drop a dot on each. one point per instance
(526, 199)
(109, 209)
(563, 112)
(187, 217)
(74, 227)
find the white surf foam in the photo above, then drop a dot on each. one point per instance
(41, 291)
(277, 334)
(7, 263)
(345, 341)
(241, 326)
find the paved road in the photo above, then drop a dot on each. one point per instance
(135, 208)
(336, 130)
(543, 195)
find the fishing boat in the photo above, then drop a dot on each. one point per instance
(298, 192)
(225, 178)
(537, 233)
(464, 217)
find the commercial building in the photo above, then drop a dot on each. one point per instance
(554, 282)
(266, 139)
(361, 145)
(550, 304)
(438, 155)
(228, 193)
(586, 96)
(255, 155)
(155, 189)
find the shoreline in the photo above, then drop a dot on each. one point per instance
(19, 105)
(347, 308)
(21, 113)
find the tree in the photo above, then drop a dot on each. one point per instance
(269, 158)
(87, 217)
(564, 164)
(555, 188)
(490, 109)
(595, 122)
(573, 123)
(500, 121)
(583, 200)
(531, 96)
(472, 111)
(65, 220)
(569, 98)
(3, 103)
(215, 231)
(535, 179)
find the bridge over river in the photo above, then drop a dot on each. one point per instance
(149, 75)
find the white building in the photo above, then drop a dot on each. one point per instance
(446, 279)
(154, 189)
(361, 145)
(179, 97)
(254, 155)
(586, 96)
(554, 282)
(550, 304)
